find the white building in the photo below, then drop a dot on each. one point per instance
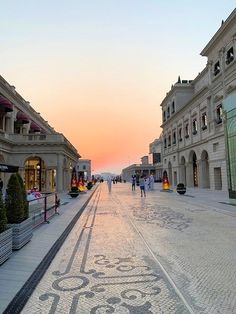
(83, 168)
(144, 160)
(44, 157)
(156, 155)
(193, 130)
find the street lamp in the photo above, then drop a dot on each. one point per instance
(38, 166)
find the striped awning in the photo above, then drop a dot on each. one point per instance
(22, 117)
(5, 104)
(34, 127)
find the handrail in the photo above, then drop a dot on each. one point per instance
(41, 209)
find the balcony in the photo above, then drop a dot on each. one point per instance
(37, 139)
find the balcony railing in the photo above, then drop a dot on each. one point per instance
(37, 138)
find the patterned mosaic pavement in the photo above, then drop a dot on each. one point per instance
(126, 254)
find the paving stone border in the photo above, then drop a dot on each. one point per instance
(21, 298)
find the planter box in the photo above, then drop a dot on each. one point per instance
(181, 188)
(181, 191)
(21, 233)
(5, 245)
(73, 194)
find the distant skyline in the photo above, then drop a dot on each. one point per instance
(97, 71)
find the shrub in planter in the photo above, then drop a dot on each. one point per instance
(3, 216)
(24, 197)
(5, 234)
(17, 213)
(14, 201)
(181, 189)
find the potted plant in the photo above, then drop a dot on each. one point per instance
(24, 195)
(181, 189)
(5, 234)
(74, 190)
(89, 185)
(17, 212)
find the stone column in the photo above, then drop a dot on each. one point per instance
(182, 174)
(47, 178)
(200, 174)
(59, 178)
(203, 172)
(189, 174)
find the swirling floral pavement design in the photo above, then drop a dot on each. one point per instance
(163, 216)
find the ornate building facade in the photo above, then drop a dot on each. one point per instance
(156, 154)
(192, 115)
(43, 156)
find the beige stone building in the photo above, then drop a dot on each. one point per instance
(83, 169)
(193, 126)
(44, 157)
(156, 156)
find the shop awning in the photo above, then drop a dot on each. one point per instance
(5, 104)
(8, 168)
(21, 116)
(34, 127)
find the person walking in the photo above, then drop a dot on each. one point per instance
(109, 184)
(151, 181)
(147, 187)
(142, 186)
(133, 181)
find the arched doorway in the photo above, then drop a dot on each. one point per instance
(170, 172)
(164, 175)
(35, 174)
(192, 176)
(182, 173)
(205, 178)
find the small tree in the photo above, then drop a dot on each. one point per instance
(24, 196)
(3, 216)
(14, 201)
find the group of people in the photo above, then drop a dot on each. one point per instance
(33, 194)
(145, 183)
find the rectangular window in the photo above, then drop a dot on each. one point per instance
(168, 112)
(215, 147)
(229, 55)
(186, 130)
(174, 138)
(164, 116)
(219, 114)
(194, 126)
(173, 107)
(180, 134)
(156, 158)
(204, 121)
(217, 68)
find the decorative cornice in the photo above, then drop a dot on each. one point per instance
(218, 34)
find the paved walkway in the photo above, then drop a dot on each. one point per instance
(20, 266)
(165, 253)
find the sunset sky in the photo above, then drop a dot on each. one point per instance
(97, 70)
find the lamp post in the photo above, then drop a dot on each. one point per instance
(39, 169)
